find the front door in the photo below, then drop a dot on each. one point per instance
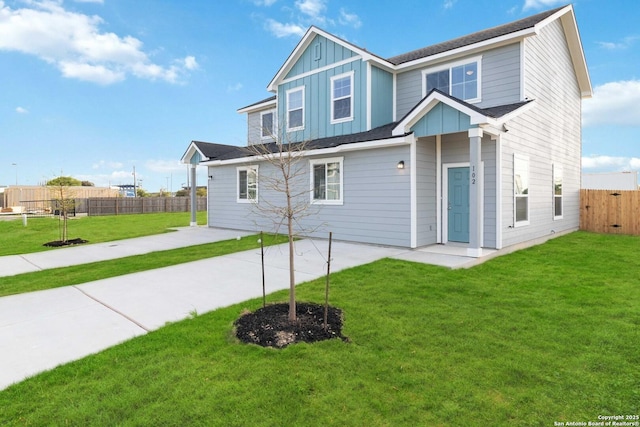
(458, 205)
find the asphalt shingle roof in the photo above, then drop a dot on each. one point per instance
(470, 39)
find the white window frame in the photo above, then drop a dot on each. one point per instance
(326, 161)
(519, 157)
(333, 79)
(558, 174)
(450, 66)
(246, 169)
(288, 92)
(272, 134)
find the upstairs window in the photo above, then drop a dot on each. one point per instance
(326, 181)
(557, 192)
(247, 184)
(342, 98)
(267, 124)
(295, 109)
(521, 189)
(460, 80)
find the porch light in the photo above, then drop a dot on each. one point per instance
(400, 164)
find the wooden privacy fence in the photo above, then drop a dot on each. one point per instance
(97, 206)
(610, 211)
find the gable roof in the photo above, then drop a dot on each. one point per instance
(501, 34)
(493, 116)
(306, 40)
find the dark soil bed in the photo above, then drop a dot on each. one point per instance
(270, 326)
(70, 242)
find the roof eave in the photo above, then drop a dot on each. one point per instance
(191, 150)
(257, 107)
(468, 49)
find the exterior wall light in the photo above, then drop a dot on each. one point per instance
(400, 164)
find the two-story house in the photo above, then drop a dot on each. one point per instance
(474, 140)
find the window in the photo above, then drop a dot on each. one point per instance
(247, 184)
(557, 192)
(461, 80)
(342, 98)
(295, 109)
(267, 124)
(521, 189)
(326, 181)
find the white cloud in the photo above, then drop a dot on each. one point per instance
(89, 1)
(625, 43)
(611, 163)
(448, 4)
(312, 8)
(102, 164)
(164, 166)
(350, 19)
(234, 88)
(540, 4)
(284, 30)
(22, 110)
(613, 103)
(74, 43)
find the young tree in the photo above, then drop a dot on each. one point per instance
(64, 203)
(288, 180)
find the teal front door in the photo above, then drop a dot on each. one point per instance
(458, 205)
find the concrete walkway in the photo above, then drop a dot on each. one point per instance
(41, 330)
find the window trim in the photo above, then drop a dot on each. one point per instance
(273, 124)
(288, 92)
(351, 75)
(557, 173)
(521, 223)
(246, 169)
(450, 66)
(325, 161)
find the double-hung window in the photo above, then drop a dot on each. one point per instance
(521, 189)
(342, 98)
(460, 80)
(247, 184)
(267, 124)
(326, 181)
(557, 192)
(295, 109)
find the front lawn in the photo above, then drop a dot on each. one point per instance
(548, 334)
(18, 239)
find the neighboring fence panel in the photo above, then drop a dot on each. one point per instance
(97, 206)
(610, 211)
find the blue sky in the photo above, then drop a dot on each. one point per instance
(94, 88)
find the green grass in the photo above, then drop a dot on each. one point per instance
(546, 334)
(17, 239)
(65, 276)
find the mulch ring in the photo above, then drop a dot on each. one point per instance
(70, 242)
(270, 326)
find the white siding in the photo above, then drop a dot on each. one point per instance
(548, 134)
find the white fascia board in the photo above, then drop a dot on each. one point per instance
(258, 107)
(344, 148)
(304, 44)
(321, 69)
(193, 148)
(431, 101)
(469, 49)
(572, 34)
